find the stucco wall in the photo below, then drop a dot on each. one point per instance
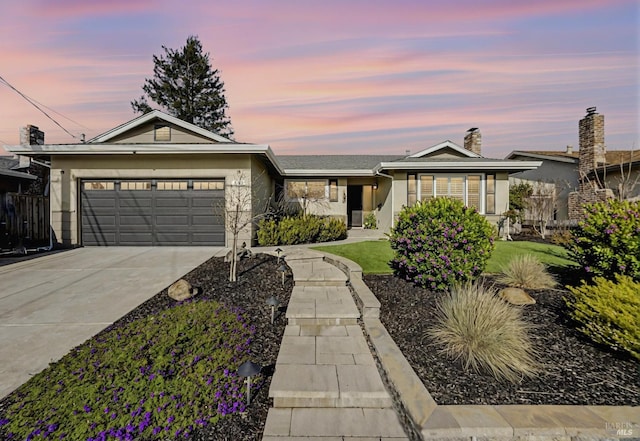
(563, 174)
(66, 171)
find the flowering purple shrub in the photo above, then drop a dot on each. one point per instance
(155, 378)
(607, 241)
(441, 242)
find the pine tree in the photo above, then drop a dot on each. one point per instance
(186, 86)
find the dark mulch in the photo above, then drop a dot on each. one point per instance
(575, 371)
(258, 279)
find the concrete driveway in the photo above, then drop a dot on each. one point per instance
(51, 304)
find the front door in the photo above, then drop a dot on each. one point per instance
(354, 205)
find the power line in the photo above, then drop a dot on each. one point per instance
(33, 103)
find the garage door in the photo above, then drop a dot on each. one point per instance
(152, 212)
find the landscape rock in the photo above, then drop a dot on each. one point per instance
(516, 296)
(181, 290)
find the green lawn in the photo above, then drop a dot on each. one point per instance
(373, 256)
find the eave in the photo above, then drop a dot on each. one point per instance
(542, 156)
(143, 149)
(18, 175)
(328, 172)
(511, 166)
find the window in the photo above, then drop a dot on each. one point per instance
(412, 195)
(491, 194)
(333, 190)
(208, 185)
(172, 185)
(99, 185)
(473, 191)
(162, 132)
(467, 189)
(426, 187)
(135, 185)
(311, 189)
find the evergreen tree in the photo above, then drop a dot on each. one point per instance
(186, 86)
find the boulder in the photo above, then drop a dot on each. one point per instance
(181, 290)
(516, 296)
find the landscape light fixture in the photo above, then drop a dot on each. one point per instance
(274, 303)
(283, 271)
(278, 250)
(247, 370)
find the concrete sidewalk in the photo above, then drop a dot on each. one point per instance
(51, 304)
(326, 385)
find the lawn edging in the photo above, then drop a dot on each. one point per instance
(464, 422)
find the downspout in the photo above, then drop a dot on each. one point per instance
(47, 192)
(379, 173)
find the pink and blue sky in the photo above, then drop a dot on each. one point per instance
(337, 76)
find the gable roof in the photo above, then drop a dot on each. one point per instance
(446, 145)
(156, 114)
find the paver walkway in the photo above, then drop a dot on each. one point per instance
(326, 386)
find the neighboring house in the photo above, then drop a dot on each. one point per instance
(24, 212)
(588, 174)
(157, 180)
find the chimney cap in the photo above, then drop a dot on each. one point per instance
(472, 129)
(591, 110)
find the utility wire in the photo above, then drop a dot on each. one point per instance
(5, 82)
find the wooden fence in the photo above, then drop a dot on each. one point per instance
(24, 219)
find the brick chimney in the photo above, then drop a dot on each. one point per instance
(31, 135)
(592, 149)
(473, 140)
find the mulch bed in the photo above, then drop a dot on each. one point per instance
(258, 279)
(575, 371)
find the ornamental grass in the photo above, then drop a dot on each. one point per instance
(525, 271)
(485, 333)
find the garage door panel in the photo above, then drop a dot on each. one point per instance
(102, 204)
(208, 238)
(103, 239)
(172, 220)
(130, 202)
(151, 216)
(106, 220)
(172, 202)
(207, 202)
(135, 219)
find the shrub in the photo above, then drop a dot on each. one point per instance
(291, 230)
(485, 333)
(332, 229)
(268, 232)
(162, 374)
(370, 222)
(440, 242)
(525, 271)
(609, 312)
(607, 241)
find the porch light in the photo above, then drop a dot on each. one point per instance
(247, 370)
(283, 270)
(274, 303)
(375, 185)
